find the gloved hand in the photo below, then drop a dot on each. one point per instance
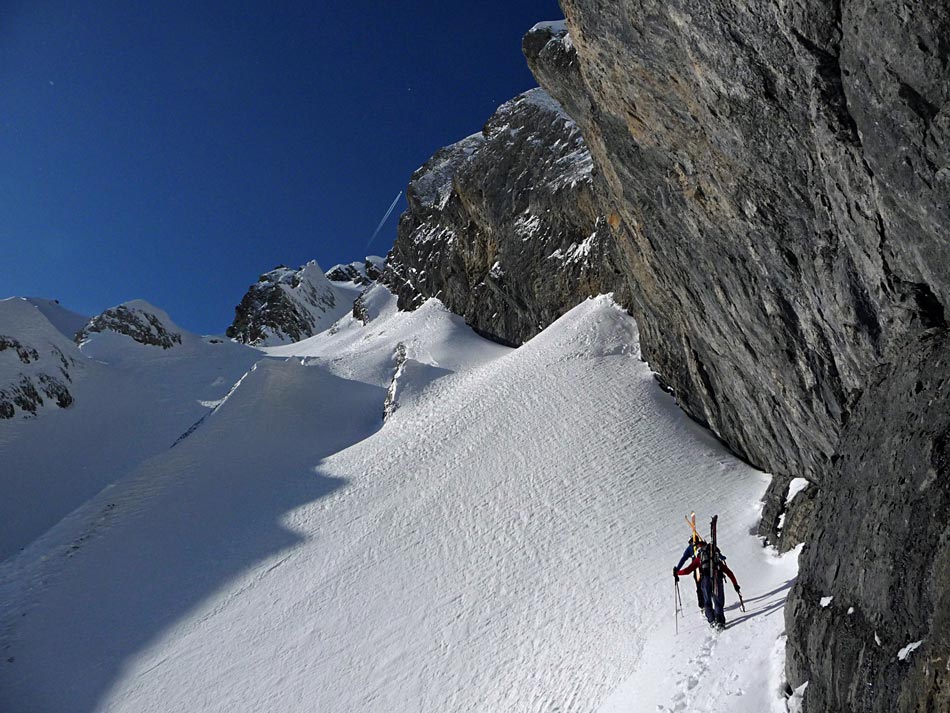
(738, 589)
(675, 575)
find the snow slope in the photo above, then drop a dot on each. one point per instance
(65, 320)
(132, 401)
(502, 543)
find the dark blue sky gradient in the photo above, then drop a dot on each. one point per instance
(173, 151)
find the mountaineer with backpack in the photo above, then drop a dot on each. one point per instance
(713, 570)
(693, 547)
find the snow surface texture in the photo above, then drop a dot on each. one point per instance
(503, 543)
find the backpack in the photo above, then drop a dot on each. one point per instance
(707, 567)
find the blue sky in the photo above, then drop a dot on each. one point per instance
(174, 151)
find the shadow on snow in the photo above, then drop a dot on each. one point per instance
(187, 523)
(765, 608)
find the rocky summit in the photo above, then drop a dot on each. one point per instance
(137, 319)
(361, 273)
(504, 228)
(779, 181)
(287, 305)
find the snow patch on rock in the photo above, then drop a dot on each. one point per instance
(905, 652)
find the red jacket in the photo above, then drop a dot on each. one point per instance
(722, 566)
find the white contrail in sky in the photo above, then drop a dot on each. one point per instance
(388, 212)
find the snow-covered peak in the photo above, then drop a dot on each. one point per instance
(138, 320)
(37, 361)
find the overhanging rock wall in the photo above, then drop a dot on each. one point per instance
(780, 173)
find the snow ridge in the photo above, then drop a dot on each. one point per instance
(501, 542)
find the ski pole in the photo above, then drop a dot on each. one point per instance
(741, 603)
(677, 604)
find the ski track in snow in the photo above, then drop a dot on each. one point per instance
(502, 543)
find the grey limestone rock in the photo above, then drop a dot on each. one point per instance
(782, 214)
(503, 227)
(881, 547)
(778, 181)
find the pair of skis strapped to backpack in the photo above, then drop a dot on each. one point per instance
(713, 560)
(714, 556)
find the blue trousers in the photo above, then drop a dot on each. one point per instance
(713, 601)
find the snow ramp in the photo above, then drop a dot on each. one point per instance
(502, 543)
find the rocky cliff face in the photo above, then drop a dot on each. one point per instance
(880, 548)
(781, 178)
(504, 227)
(287, 305)
(780, 193)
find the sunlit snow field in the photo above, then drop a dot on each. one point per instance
(502, 542)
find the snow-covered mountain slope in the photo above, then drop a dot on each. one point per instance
(129, 401)
(287, 305)
(503, 542)
(37, 361)
(65, 320)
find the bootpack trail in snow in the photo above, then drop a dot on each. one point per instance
(502, 542)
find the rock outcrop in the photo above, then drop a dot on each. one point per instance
(504, 228)
(25, 392)
(288, 305)
(137, 319)
(780, 177)
(361, 273)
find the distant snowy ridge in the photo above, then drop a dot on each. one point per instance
(37, 361)
(65, 320)
(287, 305)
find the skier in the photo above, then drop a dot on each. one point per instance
(713, 571)
(693, 547)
